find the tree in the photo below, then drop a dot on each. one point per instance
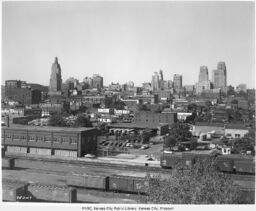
(208, 104)
(180, 132)
(82, 121)
(235, 101)
(142, 107)
(57, 120)
(192, 107)
(119, 105)
(231, 91)
(170, 141)
(202, 184)
(191, 119)
(242, 94)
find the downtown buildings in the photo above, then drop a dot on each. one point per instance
(219, 77)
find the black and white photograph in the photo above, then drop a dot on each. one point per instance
(127, 105)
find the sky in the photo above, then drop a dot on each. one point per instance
(128, 41)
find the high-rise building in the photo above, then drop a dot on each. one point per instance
(189, 89)
(177, 81)
(161, 75)
(97, 81)
(170, 84)
(88, 82)
(55, 80)
(72, 82)
(204, 83)
(203, 75)
(155, 81)
(219, 77)
(203, 86)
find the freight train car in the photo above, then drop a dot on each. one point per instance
(88, 181)
(8, 163)
(226, 163)
(236, 164)
(128, 184)
(245, 166)
(184, 160)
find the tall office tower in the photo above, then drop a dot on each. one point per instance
(72, 82)
(170, 84)
(203, 75)
(88, 82)
(55, 80)
(97, 81)
(177, 81)
(161, 75)
(203, 82)
(155, 81)
(219, 77)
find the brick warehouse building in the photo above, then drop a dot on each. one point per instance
(147, 117)
(18, 91)
(50, 141)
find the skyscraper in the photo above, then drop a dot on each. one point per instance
(219, 77)
(97, 81)
(161, 75)
(203, 80)
(203, 75)
(88, 82)
(155, 81)
(177, 81)
(55, 80)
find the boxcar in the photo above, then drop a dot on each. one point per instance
(225, 163)
(121, 183)
(8, 163)
(170, 160)
(245, 165)
(88, 181)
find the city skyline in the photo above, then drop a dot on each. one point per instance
(129, 44)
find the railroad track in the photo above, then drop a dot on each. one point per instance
(95, 164)
(117, 166)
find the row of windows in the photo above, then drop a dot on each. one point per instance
(57, 139)
(154, 120)
(236, 135)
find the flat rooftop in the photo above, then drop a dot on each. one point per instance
(135, 125)
(48, 128)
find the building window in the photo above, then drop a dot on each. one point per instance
(32, 138)
(228, 134)
(57, 139)
(40, 138)
(47, 139)
(65, 140)
(16, 137)
(23, 138)
(8, 136)
(237, 135)
(73, 140)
